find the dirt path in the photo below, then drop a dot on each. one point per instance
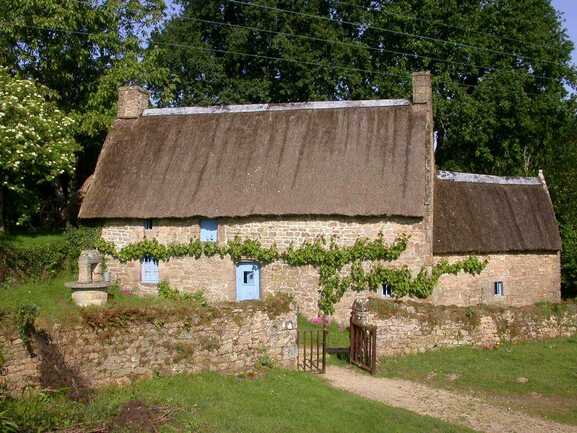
(449, 406)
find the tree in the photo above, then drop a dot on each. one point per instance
(36, 142)
(82, 50)
(500, 66)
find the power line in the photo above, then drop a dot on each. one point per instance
(382, 29)
(261, 56)
(384, 10)
(333, 41)
(350, 44)
(360, 45)
(405, 76)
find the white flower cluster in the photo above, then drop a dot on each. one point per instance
(36, 140)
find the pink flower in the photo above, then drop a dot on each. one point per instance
(320, 320)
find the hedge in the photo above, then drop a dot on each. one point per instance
(46, 258)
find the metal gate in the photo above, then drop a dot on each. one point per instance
(312, 350)
(363, 350)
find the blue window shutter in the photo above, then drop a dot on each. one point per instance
(149, 273)
(208, 230)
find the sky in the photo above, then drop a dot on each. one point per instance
(569, 11)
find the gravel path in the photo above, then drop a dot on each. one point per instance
(449, 406)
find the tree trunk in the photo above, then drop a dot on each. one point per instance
(2, 228)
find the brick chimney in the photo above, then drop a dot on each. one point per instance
(132, 101)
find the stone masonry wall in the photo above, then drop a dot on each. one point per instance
(410, 327)
(216, 276)
(527, 278)
(84, 356)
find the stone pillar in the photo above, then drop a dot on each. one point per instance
(132, 101)
(360, 311)
(423, 103)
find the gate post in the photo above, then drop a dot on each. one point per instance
(362, 352)
(360, 312)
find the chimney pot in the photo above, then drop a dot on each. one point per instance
(422, 88)
(132, 101)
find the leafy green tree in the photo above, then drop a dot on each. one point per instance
(36, 142)
(82, 50)
(561, 164)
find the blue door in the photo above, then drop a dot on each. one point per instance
(247, 281)
(149, 271)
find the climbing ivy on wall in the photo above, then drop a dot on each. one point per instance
(328, 257)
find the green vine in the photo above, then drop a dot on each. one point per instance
(328, 257)
(400, 280)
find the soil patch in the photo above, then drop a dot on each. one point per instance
(457, 408)
(134, 416)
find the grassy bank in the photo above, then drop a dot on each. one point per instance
(278, 401)
(539, 377)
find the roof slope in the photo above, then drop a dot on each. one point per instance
(348, 160)
(491, 214)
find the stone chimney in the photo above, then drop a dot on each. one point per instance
(422, 88)
(132, 101)
(423, 103)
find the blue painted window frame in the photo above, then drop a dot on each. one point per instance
(208, 230)
(148, 224)
(499, 288)
(149, 271)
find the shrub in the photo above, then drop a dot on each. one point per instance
(170, 293)
(25, 317)
(45, 258)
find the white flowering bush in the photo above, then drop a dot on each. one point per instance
(36, 139)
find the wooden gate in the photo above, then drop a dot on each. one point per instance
(363, 351)
(312, 350)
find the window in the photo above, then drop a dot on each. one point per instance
(499, 288)
(147, 224)
(208, 230)
(387, 292)
(149, 270)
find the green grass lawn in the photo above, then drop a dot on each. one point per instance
(55, 301)
(279, 401)
(50, 295)
(550, 367)
(29, 240)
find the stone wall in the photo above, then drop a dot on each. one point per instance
(410, 327)
(116, 347)
(527, 278)
(216, 276)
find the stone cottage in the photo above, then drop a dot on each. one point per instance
(286, 173)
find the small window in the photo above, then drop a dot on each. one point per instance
(149, 273)
(208, 230)
(248, 277)
(147, 224)
(387, 291)
(499, 288)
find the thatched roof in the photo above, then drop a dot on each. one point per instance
(335, 158)
(488, 214)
